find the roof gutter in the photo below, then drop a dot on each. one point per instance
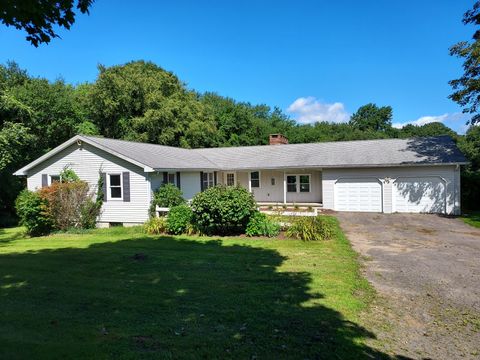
(308, 166)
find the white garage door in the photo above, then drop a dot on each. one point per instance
(419, 195)
(358, 195)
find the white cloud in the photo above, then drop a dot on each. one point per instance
(423, 120)
(308, 110)
(456, 121)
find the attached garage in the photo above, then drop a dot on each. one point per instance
(419, 195)
(358, 194)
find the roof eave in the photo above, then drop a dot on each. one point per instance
(340, 166)
(24, 170)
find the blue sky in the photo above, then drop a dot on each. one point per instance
(316, 60)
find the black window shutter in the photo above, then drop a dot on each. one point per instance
(126, 186)
(178, 179)
(165, 177)
(44, 180)
(104, 185)
(214, 178)
(201, 181)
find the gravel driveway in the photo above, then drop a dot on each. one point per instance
(426, 269)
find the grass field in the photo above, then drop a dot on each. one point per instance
(472, 218)
(118, 293)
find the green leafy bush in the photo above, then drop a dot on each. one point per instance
(156, 226)
(178, 219)
(68, 175)
(167, 195)
(31, 209)
(261, 225)
(89, 212)
(223, 210)
(311, 228)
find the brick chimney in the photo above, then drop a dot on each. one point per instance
(277, 139)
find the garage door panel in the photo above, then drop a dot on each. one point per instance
(358, 195)
(419, 195)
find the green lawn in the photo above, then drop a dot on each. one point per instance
(117, 293)
(472, 218)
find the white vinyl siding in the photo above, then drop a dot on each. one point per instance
(387, 176)
(86, 161)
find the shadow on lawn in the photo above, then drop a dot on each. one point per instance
(8, 236)
(166, 298)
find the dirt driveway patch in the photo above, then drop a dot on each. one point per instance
(426, 269)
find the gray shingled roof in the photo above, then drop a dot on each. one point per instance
(155, 156)
(362, 153)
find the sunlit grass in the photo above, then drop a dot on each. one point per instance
(472, 218)
(118, 293)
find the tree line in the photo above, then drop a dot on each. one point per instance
(140, 101)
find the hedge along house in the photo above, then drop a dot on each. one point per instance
(394, 175)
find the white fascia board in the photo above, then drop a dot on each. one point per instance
(23, 171)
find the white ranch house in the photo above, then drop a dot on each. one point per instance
(396, 175)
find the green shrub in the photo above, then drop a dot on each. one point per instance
(223, 210)
(311, 228)
(156, 226)
(89, 212)
(191, 229)
(68, 175)
(261, 225)
(31, 209)
(178, 219)
(167, 195)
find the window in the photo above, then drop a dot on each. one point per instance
(292, 183)
(255, 179)
(298, 183)
(230, 179)
(115, 185)
(272, 181)
(54, 178)
(304, 183)
(171, 179)
(208, 180)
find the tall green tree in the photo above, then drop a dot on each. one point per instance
(430, 129)
(370, 117)
(467, 87)
(143, 102)
(39, 17)
(16, 144)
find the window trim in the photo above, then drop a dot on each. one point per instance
(259, 180)
(234, 178)
(297, 183)
(174, 178)
(50, 178)
(205, 185)
(109, 186)
(309, 183)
